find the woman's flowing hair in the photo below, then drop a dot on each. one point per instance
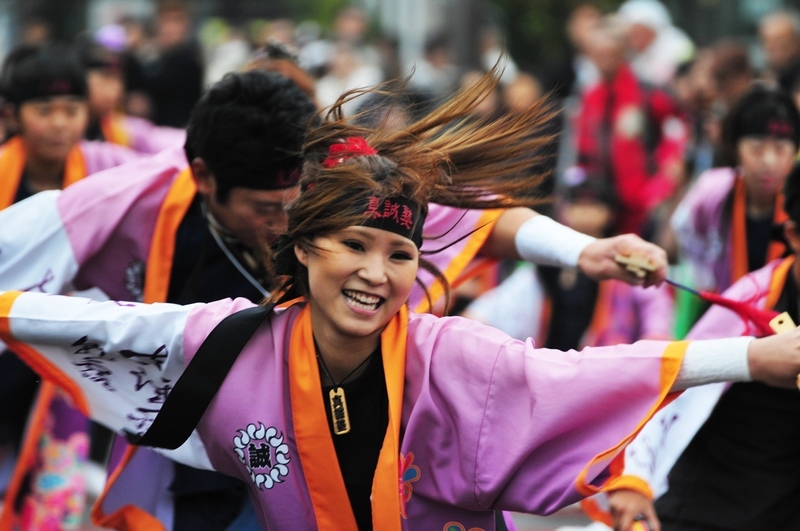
(448, 157)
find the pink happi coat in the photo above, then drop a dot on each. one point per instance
(488, 422)
(625, 313)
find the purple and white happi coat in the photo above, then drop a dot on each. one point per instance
(491, 422)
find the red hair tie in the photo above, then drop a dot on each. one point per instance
(352, 146)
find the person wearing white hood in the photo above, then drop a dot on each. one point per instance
(657, 47)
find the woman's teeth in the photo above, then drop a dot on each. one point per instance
(362, 300)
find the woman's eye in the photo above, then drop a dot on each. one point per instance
(401, 256)
(356, 246)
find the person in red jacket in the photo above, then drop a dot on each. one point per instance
(629, 135)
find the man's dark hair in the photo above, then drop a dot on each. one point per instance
(248, 128)
(753, 114)
(33, 72)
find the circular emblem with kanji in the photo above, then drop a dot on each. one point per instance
(263, 453)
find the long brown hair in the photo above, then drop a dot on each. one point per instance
(446, 157)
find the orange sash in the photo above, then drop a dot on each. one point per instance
(739, 265)
(777, 282)
(162, 247)
(12, 166)
(111, 125)
(315, 446)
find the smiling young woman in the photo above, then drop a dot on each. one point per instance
(343, 395)
(359, 277)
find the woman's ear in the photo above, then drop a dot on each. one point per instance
(301, 254)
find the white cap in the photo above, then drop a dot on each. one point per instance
(650, 13)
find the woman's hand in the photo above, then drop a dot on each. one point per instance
(775, 360)
(597, 260)
(628, 505)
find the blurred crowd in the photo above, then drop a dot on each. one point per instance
(651, 135)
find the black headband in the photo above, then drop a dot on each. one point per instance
(775, 126)
(46, 87)
(763, 113)
(399, 215)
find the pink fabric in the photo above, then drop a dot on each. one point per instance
(651, 456)
(146, 137)
(491, 422)
(445, 238)
(100, 156)
(703, 233)
(635, 313)
(110, 219)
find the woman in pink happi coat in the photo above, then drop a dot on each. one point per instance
(343, 395)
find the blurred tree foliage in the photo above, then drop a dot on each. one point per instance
(322, 11)
(536, 30)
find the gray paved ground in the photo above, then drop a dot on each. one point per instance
(571, 516)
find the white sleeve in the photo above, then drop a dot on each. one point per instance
(35, 251)
(124, 358)
(543, 241)
(714, 360)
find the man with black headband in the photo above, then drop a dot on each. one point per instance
(725, 222)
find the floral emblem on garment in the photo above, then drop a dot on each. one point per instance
(409, 473)
(455, 526)
(263, 453)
